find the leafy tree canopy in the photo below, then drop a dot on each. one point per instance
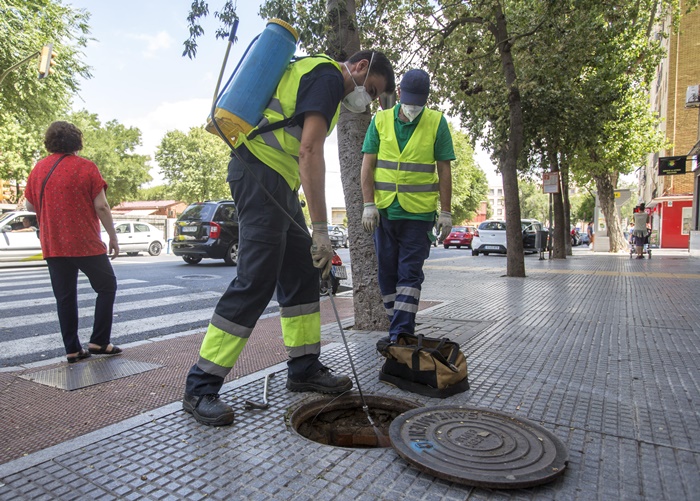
(111, 146)
(194, 164)
(27, 104)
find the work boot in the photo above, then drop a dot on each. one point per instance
(322, 382)
(208, 409)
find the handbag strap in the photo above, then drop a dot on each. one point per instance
(43, 185)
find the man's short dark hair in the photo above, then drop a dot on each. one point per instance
(63, 137)
(380, 66)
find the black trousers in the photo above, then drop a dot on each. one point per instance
(64, 281)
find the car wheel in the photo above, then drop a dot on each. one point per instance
(155, 248)
(475, 252)
(346, 244)
(132, 253)
(231, 257)
(191, 259)
(446, 246)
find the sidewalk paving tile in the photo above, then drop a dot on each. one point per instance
(601, 350)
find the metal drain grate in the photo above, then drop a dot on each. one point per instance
(80, 375)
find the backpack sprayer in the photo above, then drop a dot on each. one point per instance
(240, 107)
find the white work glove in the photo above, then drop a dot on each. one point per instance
(321, 248)
(444, 224)
(370, 217)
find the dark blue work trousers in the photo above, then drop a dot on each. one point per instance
(64, 282)
(273, 254)
(402, 247)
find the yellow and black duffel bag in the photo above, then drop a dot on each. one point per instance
(434, 367)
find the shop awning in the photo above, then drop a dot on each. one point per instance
(669, 198)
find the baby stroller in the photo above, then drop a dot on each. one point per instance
(640, 239)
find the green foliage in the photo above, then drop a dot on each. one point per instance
(534, 203)
(28, 105)
(111, 146)
(194, 165)
(160, 192)
(582, 207)
(469, 183)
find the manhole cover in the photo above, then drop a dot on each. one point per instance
(478, 447)
(198, 277)
(342, 422)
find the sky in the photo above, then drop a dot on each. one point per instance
(141, 79)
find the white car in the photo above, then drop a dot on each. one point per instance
(17, 241)
(135, 237)
(490, 236)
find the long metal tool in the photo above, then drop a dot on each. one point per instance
(352, 364)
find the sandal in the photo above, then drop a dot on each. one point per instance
(82, 354)
(104, 350)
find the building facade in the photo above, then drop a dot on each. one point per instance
(669, 198)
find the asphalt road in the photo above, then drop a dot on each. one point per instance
(157, 296)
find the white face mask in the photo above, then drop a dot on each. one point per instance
(358, 99)
(411, 111)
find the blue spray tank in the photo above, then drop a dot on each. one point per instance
(239, 107)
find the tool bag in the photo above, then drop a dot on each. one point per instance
(434, 367)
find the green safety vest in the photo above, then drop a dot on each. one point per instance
(279, 149)
(410, 174)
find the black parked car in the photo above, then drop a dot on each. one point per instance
(207, 229)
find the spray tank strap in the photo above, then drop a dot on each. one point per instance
(269, 127)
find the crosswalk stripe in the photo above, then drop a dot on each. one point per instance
(24, 283)
(26, 320)
(42, 301)
(42, 290)
(4, 277)
(49, 342)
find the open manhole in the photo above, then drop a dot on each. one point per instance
(342, 422)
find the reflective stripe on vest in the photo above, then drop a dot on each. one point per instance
(410, 174)
(279, 149)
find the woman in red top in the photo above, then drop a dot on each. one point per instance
(68, 194)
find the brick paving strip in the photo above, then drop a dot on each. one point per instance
(36, 416)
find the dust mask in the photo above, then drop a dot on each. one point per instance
(411, 111)
(358, 99)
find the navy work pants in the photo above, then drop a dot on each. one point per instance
(64, 281)
(402, 247)
(273, 254)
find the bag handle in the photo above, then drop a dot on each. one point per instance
(415, 357)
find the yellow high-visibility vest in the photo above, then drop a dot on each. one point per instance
(410, 174)
(279, 149)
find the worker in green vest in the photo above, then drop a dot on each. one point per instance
(283, 153)
(405, 173)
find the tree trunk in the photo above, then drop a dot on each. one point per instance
(344, 41)
(606, 184)
(515, 260)
(564, 169)
(560, 231)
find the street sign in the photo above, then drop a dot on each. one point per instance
(550, 182)
(670, 166)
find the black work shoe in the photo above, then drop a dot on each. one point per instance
(323, 382)
(208, 409)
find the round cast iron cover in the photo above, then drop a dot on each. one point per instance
(479, 447)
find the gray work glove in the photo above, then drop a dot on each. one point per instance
(321, 248)
(444, 224)
(370, 217)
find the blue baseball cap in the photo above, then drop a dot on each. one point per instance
(415, 87)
